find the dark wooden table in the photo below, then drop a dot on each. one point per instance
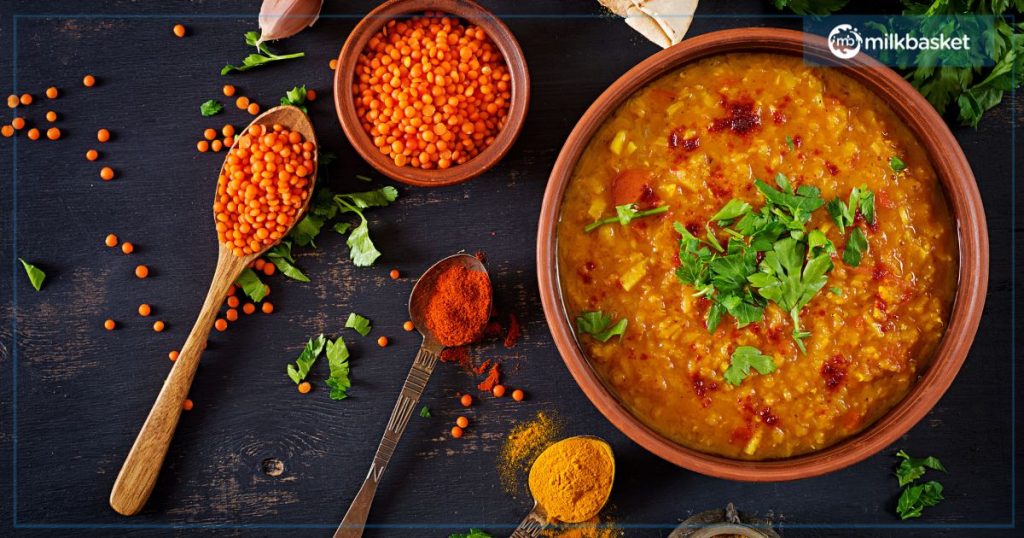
(73, 395)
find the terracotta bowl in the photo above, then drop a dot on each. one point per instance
(961, 192)
(469, 12)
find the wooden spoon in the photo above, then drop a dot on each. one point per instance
(415, 383)
(138, 474)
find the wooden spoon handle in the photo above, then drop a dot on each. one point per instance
(533, 524)
(140, 469)
(415, 383)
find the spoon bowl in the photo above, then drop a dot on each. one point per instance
(538, 519)
(415, 383)
(139, 472)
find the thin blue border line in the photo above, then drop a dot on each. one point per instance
(880, 526)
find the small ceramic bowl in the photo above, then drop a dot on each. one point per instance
(469, 12)
(965, 204)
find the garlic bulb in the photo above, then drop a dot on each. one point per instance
(284, 18)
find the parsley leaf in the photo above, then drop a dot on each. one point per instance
(281, 256)
(897, 164)
(360, 324)
(296, 97)
(307, 229)
(735, 208)
(210, 108)
(337, 360)
(35, 274)
(810, 7)
(785, 280)
(745, 358)
(298, 371)
(624, 214)
(600, 326)
(251, 285)
(425, 412)
(262, 57)
(473, 533)
(856, 246)
(914, 499)
(362, 251)
(910, 469)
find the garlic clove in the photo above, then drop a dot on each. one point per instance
(284, 18)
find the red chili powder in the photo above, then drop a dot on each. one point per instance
(460, 306)
(512, 336)
(492, 379)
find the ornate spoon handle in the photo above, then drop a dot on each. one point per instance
(533, 524)
(355, 519)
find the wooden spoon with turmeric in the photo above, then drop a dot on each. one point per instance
(138, 474)
(570, 482)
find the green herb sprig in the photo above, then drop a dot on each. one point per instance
(263, 55)
(916, 497)
(624, 214)
(210, 108)
(358, 323)
(296, 97)
(600, 326)
(743, 359)
(36, 276)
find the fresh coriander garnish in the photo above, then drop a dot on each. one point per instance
(360, 324)
(210, 108)
(337, 361)
(897, 164)
(298, 371)
(262, 57)
(473, 533)
(600, 326)
(745, 358)
(281, 256)
(624, 214)
(770, 256)
(35, 274)
(790, 144)
(425, 412)
(251, 285)
(296, 97)
(856, 246)
(915, 498)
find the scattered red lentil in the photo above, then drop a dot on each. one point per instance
(26, 99)
(159, 326)
(456, 432)
(231, 314)
(253, 108)
(53, 133)
(33, 134)
(141, 271)
(12, 101)
(267, 308)
(498, 391)
(269, 269)
(233, 301)
(111, 240)
(18, 123)
(408, 326)
(203, 146)
(127, 247)
(210, 134)
(173, 355)
(382, 341)
(518, 395)
(103, 135)
(51, 116)
(394, 274)
(92, 155)
(216, 145)
(52, 92)
(228, 130)
(228, 90)
(145, 310)
(462, 422)
(179, 30)
(431, 92)
(106, 173)
(311, 95)
(109, 325)
(221, 324)
(88, 81)
(242, 102)
(333, 64)
(187, 405)
(7, 131)
(466, 400)
(248, 308)
(305, 387)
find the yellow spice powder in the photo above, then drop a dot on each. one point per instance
(522, 445)
(572, 478)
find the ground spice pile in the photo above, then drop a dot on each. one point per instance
(460, 306)
(522, 445)
(572, 478)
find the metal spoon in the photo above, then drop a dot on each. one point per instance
(537, 520)
(355, 519)
(142, 465)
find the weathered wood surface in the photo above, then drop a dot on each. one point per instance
(254, 451)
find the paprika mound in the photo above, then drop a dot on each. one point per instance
(572, 478)
(460, 306)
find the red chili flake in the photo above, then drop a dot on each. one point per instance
(674, 139)
(778, 117)
(512, 336)
(881, 304)
(493, 378)
(742, 118)
(767, 416)
(879, 272)
(832, 168)
(702, 387)
(493, 329)
(647, 198)
(480, 255)
(458, 355)
(479, 370)
(797, 141)
(883, 200)
(741, 435)
(834, 372)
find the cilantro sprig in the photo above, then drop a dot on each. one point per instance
(337, 361)
(743, 359)
(296, 97)
(600, 326)
(769, 256)
(624, 214)
(916, 497)
(210, 108)
(263, 55)
(358, 323)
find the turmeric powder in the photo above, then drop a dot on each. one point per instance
(522, 445)
(572, 478)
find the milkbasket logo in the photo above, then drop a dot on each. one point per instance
(844, 41)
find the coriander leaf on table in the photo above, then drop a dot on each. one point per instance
(342, 227)
(360, 324)
(337, 360)
(298, 371)
(600, 326)
(264, 56)
(362, 251)
(281, 257)
(306, 230)
(473, 533)
(810, 7)
(251, 285)
(296, 97)
(915, 499)
(210, 108)
(35, 274)
(425, 412)
(910, 469)
(743, 359)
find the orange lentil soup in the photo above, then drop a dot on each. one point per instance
(698, 138)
